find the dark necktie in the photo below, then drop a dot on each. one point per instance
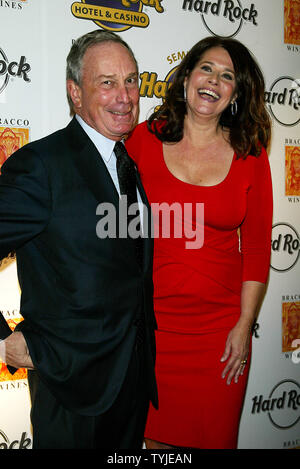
(127, 182)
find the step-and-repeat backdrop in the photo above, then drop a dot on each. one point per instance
(35, 38)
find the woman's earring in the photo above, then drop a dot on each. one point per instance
(184, 93)
(234, 108)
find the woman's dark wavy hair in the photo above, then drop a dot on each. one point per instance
(249, 129)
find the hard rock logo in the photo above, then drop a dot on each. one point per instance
(282, 404)
(285, 247)
(283, 101)
(9, 69)
(116, 15)
(222, 17)
(151, 87)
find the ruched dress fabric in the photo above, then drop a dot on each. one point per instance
(197, 290)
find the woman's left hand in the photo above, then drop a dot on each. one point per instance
(236, 352)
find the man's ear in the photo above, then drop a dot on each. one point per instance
(74, 91)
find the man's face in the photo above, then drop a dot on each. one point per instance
(108, 96)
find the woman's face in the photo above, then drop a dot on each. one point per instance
(211, 85)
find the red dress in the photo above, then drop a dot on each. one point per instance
(197, 291)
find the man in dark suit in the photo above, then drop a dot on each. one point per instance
(87, 337)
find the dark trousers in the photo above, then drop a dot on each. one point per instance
(121, 427)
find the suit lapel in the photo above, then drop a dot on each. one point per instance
(96, 175)
(91, 165)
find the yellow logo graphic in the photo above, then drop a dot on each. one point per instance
(292, 170)
(11, 139)
(290, 325)
(150, 86)
(292, 21)
(116, 15)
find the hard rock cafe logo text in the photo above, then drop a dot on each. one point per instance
(282, 405)
(285, 247)
(15, 68)
(23, 443)
(283, 100)
(223, 17)
(116, 15)
(151, 86)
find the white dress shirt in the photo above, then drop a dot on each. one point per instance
(105, 147)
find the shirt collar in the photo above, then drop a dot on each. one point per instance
(104, 145)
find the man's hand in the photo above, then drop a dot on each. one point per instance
(14, 351)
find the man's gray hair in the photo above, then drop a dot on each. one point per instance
(79, 48)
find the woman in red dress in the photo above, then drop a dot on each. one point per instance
(205, 148)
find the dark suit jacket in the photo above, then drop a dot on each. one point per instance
(80, 294)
